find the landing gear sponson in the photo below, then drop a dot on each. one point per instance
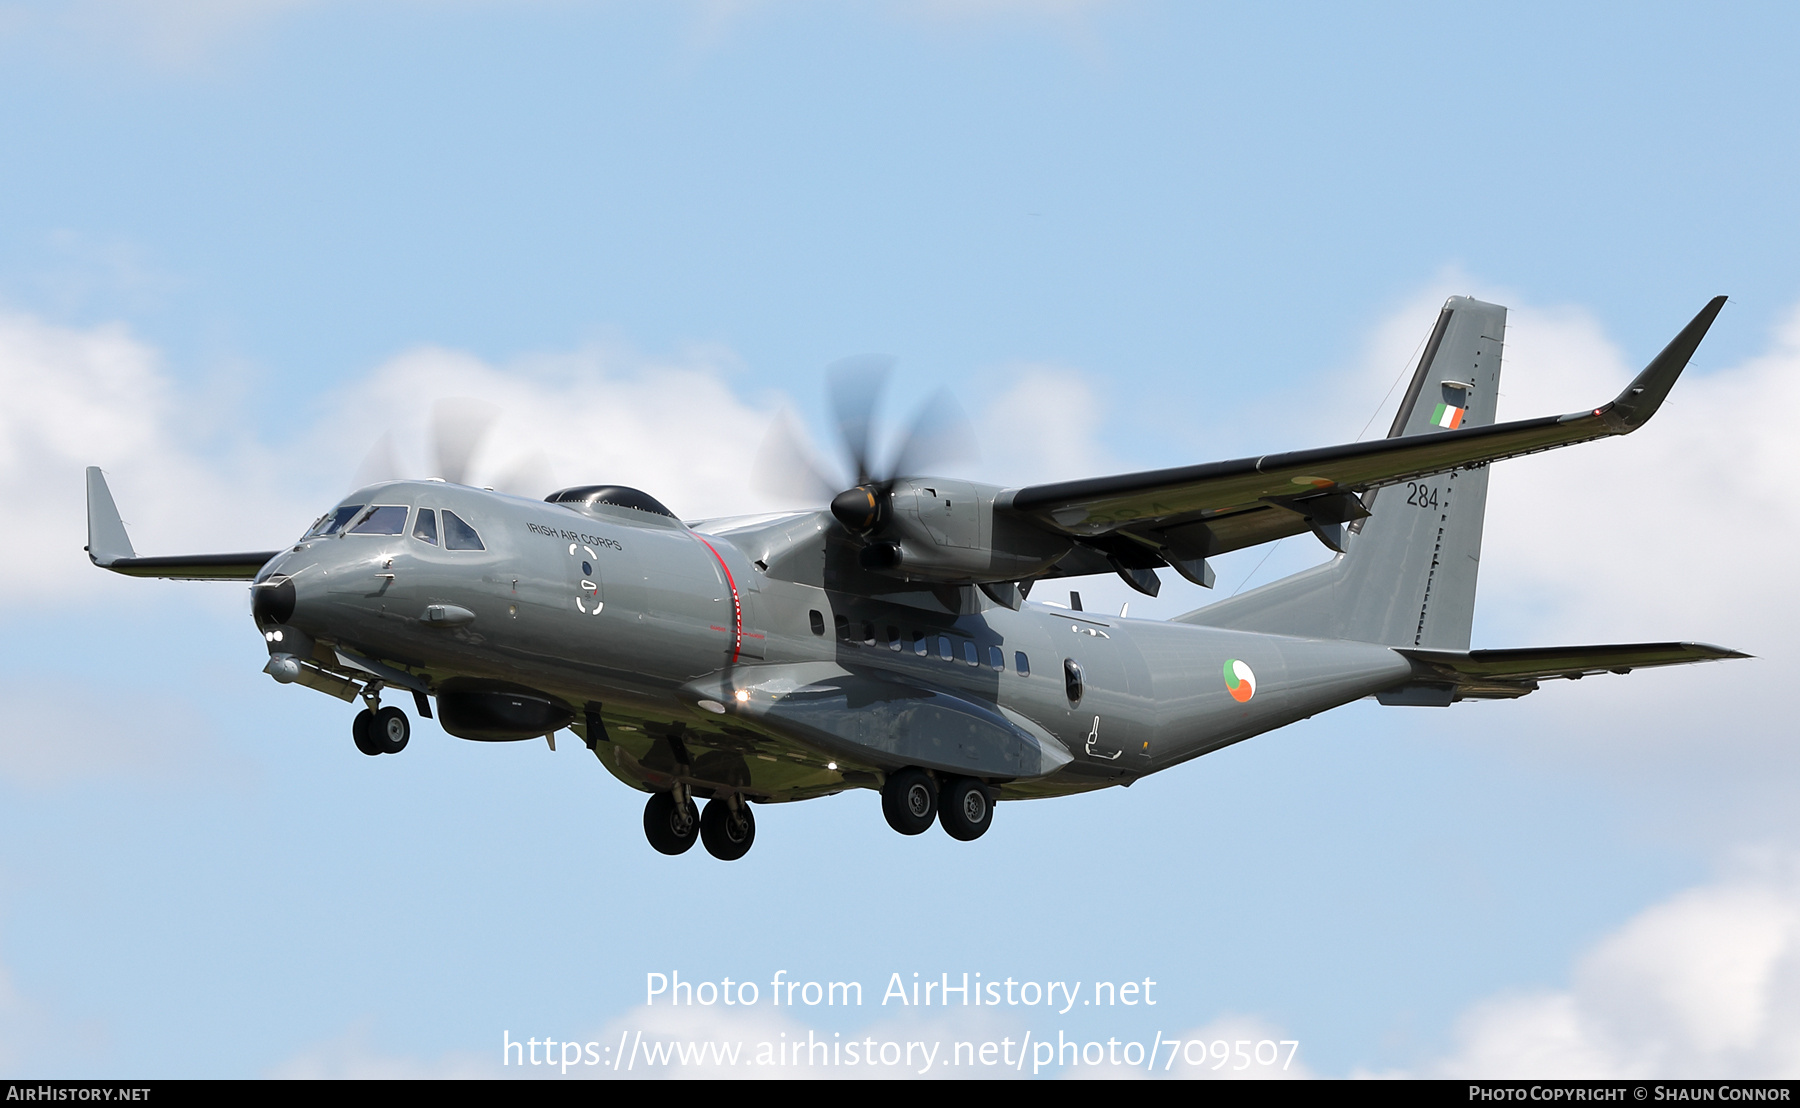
(911, 797)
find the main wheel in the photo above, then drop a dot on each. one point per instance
(909, 800)
(362, 729)
(392, 729)
(671, 827)
(966, 810)
(727, 834)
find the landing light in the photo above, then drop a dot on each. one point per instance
(743, 696)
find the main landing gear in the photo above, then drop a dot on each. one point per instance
(672, 822)
(962, 805)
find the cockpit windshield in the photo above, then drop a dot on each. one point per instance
(332, 521)
(384, 519)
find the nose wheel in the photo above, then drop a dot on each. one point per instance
(381, 732)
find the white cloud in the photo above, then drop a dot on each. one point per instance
(1041, 428)
(671, 426)
(101, 397)
(1705, 984)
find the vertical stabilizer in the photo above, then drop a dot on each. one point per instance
(1407, 576)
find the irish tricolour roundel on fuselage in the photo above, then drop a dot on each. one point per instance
(1239, 681)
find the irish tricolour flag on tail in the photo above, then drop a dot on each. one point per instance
(1447, 417)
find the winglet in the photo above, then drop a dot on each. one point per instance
(1645, 394)
(107, 541)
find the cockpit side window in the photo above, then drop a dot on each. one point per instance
(425, 530)
(459, 535)
(386, 519)
(330, 522)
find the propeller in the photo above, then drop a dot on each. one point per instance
(939, 435)
(459, 425)
(458, 428)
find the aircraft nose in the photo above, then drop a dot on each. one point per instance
(273, 601)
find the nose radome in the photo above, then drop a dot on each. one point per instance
(273, 601)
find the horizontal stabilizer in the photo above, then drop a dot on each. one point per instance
(110, 548)
(1503, 674)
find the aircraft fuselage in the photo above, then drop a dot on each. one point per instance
(684, 661)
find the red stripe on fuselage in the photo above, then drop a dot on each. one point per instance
(737, 609)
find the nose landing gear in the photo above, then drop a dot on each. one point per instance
(378, 730)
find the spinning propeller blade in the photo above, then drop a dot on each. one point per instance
(458, 427)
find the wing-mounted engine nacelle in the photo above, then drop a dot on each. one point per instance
(491, 711)
(944, 530)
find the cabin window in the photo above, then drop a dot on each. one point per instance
(425, 527)
(1022, 663)
(893, 638)
(921, 645)
(868, 633)
(996, 659)
(969, 653)
(817, 620)
(945, 650)
(1072, 680)
(843, 627)
(459, 535)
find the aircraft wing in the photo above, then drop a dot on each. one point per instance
(1503, 674)
(1194, 512)
(110, 548)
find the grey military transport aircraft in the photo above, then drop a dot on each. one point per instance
(886, 642)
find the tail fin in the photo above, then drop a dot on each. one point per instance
(1407, 576)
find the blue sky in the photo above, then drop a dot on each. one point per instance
(240, 242)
